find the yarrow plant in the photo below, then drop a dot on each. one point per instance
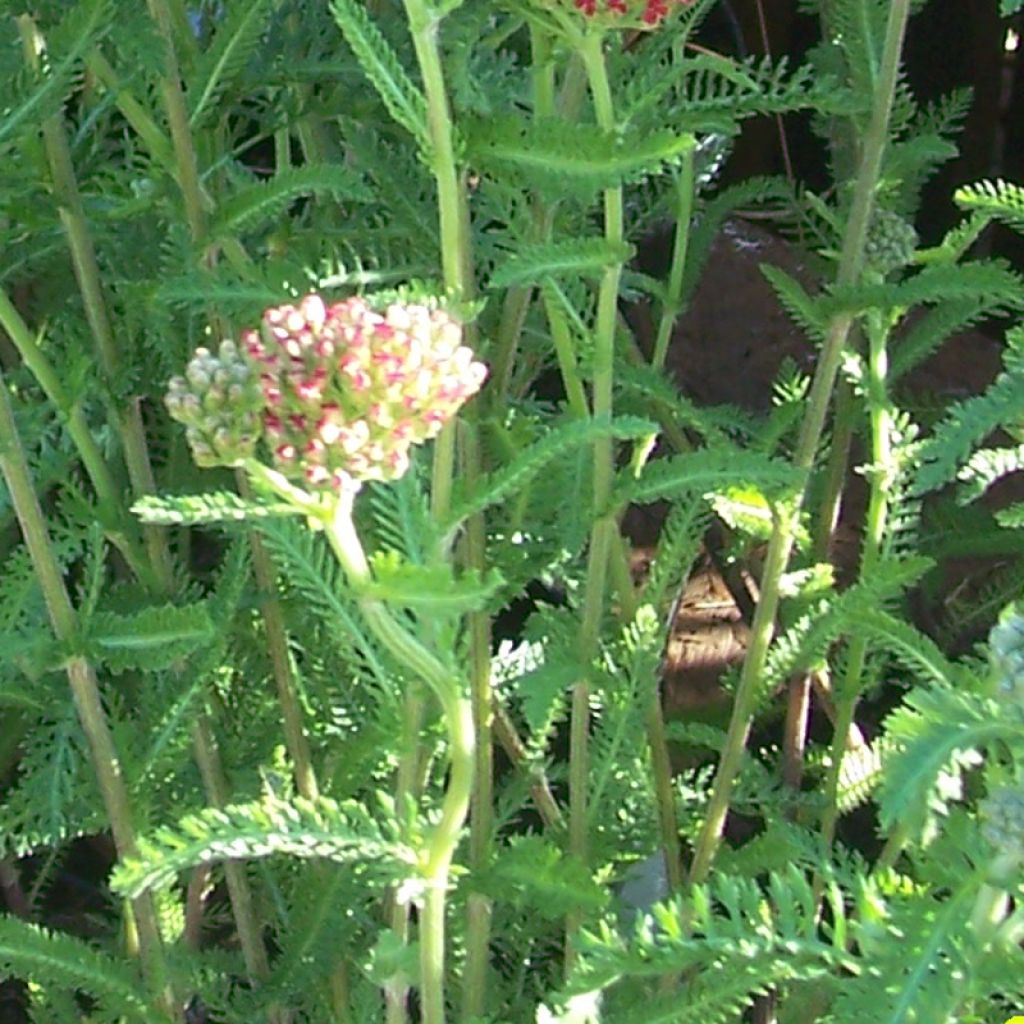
(320, 676)
(337, 394)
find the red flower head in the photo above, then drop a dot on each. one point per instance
(629, 13)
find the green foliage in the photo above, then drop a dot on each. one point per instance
(735, 936)
(154, 638)
(263, 202)
(584, 256)
(325, 830)
(704, 472)
(54, 960)
(562, 159)
(533, 460)
(256, 706)
(383, 68)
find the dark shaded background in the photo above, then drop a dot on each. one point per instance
(951, 43)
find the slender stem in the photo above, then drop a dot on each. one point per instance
(195, 201)
(540, 790)
(133, 111)
(685, 188)
(84, 687)
(783, 534)
(657, 741)
(992, 903)
(462, 716)
(591, 50)
(517, 300)
(458, 716)
(881, 477)
(208, 758)
(121, 529)
(284, 676)
(177, 119)
(561, 338)
(455, 253)
(127, 416)
(478, 921)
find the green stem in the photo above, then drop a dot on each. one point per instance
(208, 758)
(84, 688)
(177, 120)
(455, 250)
(565, 353)
(591, 50)
(127, 415)
(478, 920)
(121, 529)
(462, 716)
(992, 904)
(783, 534)
(685, 188)
(657, 740)
(458, 716)
(517, 300)
(459, 720)
(133, 111)
(284, 676)
(881, 478)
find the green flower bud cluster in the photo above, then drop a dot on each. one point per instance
(1003, 821)
(891, 242)
(336, 394)
(1006, 654)
(219, 400)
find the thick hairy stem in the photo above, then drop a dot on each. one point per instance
(187, 168)
(781, 543)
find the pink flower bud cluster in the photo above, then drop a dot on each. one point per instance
(220, 401)
(338, 394)
(649, 13)
(349, 390)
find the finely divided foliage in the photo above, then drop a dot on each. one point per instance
(332, 691)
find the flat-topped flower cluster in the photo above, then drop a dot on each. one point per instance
(337, 394)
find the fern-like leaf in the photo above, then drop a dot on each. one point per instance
(432, 589)
(319, 830)
(62, 961)
(380, 64)
(513, 476)
(254, 205)
(203, 509)
(577, 257)
(152, 639)
(937, 733)
(82, 26)
(563, 157)
(233, 46)
(702, 473)
(1000, 200)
